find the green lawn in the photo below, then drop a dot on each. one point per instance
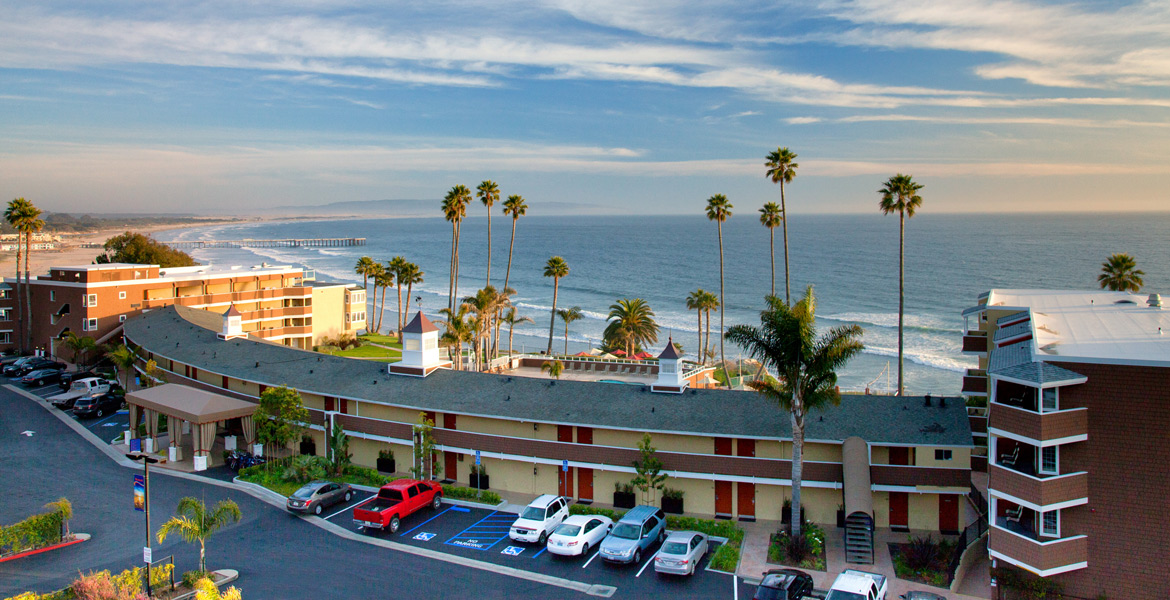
(378, 338)
(370, 351)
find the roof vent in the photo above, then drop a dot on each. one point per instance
(1155, 301)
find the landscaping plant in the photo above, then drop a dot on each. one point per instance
(424, 449)
(650, 477)
(339, 449)
(196, 524)
(206, 590)
(280, 418)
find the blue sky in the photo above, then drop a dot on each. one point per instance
(119, 106)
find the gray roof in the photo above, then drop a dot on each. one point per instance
(670, 352)
(1010, 355)
(419, 324)
(876, 419)
(1039, 373)
(978, 308)
(1013, 331)
(1023, 314)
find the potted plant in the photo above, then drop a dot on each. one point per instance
(386, 460)
(786, 515)
(623, 495)
(840, 515)
(308, 446)
(672, 501)
(479, 477)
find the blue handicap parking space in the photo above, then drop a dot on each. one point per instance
(424, 536)
(513, 551)
(485, 533)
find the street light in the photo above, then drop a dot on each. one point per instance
(147, 460)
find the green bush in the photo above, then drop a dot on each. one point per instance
(463, 493)
(36, 531)
(806, 552)
(303, 469)
(585, 509)
(725, 529)
(190, 577)
(726, 558)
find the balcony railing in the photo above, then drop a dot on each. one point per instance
(975, 383)
(975, 342)
(231, 297)
(1039, 555)
(1041, 427)
(1041, 491)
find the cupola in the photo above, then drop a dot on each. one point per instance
(670, 371)
(420, 349)
(233, 324)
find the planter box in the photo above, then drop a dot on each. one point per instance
(386, 465)
(200, 463)
(673, 506)
(309, 448)
(229, 442)
(479, 482)
(258, 449)
(786, 517)
(174, 453)
(623, 500)
(840, 518)
(148, 445)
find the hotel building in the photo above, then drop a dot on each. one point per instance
(1078, 388)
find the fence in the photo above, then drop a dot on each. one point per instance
(970, 535)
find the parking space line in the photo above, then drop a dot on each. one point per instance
(541, 551)
(591, 558)
(735, 585)
(427, 521)
(651, 559)
(350, 507)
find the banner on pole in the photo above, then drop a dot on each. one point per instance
(140, 493)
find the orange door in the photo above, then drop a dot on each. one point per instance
(565, 482)
(584, 484)
(948, 513)
(747, 499)
(723, 498)
(899, 510)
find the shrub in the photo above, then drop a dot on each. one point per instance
(726, 558)
(805, 551)
(302, 469)
(34, 532)
(386, 453)
(584, 509)
(921, 553)
(625, 488)
(190, 577)
(672, 493)
(463, 493)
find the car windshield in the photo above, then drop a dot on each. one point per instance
(839, 595)
(305, 492)
(79, 385)
(674, 548)
(568, 530)
(768, 593)
(533, 513)
(626, 531)
(85, 402)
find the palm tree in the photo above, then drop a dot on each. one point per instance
(631, 322)
(781, 169)
(718, 210)
(515, 207)
(195, 524)
(454, 210)
(123, 358)
(377, 272)
(694, 302)
(396, 266)
(14, 214)
(503, 303)
(900, 195)
(556, 267)
(513, 319)
(29, 223)
(553, 368)
(384, 278)
(488, 193)
(770, 217)
(409, 275)
(709, 303)
(79, 345)
(365, 268)
(806, 365)
(1120, 274)
(568, 315)
(457, 332)
(484, 304)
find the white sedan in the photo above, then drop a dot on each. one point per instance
(578, 533)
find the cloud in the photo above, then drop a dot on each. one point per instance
(802, 120)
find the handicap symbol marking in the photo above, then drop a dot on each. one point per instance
(424, 536)
(513, 550)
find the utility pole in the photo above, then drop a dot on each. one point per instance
(147, 460)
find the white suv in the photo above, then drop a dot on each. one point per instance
(539, 519)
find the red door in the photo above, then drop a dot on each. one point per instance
(899, 455)
(899, 510)
(448, 421)
(565, 433)
(723, 446)
(723, 498)
(584, 435)
(565, 482)
(451, 466)
(948, 513)
(747, 499)
(584, 484)
(745, 447)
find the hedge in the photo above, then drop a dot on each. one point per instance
(34, 532)
(464, 493)
(726, 557)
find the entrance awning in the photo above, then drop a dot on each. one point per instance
(190, 404)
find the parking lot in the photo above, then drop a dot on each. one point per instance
(106, 428)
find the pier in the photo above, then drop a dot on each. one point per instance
(287, 243)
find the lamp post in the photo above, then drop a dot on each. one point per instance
(147, 460)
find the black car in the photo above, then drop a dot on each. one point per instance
(39, 377)
(11, 369)
(922, 596)
(37, 362)
(784, 584)
(11, 358)
(98, 406)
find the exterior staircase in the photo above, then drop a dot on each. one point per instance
(859, 539)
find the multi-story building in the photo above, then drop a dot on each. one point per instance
(1078, 388)
(276, 302)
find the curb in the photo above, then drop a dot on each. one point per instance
(77, 539)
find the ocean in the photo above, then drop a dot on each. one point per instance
(851, 260)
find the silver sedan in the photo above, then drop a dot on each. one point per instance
(317, 496)
(681, 553)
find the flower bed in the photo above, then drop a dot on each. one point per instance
(924, 560)
(809, 554)
(278, 477)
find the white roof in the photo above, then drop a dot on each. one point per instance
(98, 267)
(543, 501)
(1092, 326)
(856, 584)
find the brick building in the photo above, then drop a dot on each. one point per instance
(1078, 388)
(277, 303)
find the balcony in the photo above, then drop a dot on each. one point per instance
(975, 383)
(1019, 545)
(1041, 491)
(975, 342)
(1042, 427)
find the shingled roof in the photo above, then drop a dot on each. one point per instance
(419, 324)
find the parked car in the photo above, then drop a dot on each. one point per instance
(317, 496)
(784, 584)
(919, 595)
(578, 533)
(396, 501)
(39, 377)
(11, 358)
(19, 369)
(634, 535)
(98, 406)
(539, 519)
(681, 553)
(852, 584)
(90, 386)
(10, 368)
(68, 377)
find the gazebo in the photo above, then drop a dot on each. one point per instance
(202, 409)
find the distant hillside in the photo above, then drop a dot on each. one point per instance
(421, 208)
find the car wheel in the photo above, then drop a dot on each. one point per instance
(101, 413)
(317, 510)
(348, 495)
(394, 523)
(585, 549)
(638, 555)
(437, 502)
(543, 538)
(40, 382)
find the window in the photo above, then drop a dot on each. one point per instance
(410, 344)
(121, 295)
(943, 454)
(121, 318)
(89, 325)
(667, 366)
(5, 338)
(432, 343)
(89, 300)
(1048, 463)
(1050, 524)
(4, 315)
(52, 295)
(1049, 399)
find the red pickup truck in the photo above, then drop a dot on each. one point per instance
(396, 501)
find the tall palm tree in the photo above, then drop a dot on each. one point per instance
(194, 523)
(1120, 273)
(454, 210)
(556, 267)
(364, 267)
(396, 266)
(409, 275)
(806, 365)
(488, 193)
(569, 315)
(694, 302)
(377, 273)
(13, 214)
(900, 195)
(718, 210)
(383, 278)
(484, 305)
(513, 319)
(770, 217)
(515, 207)
(123, 358)
(28, 223)
(781, 169)
(709, 303)
(631, 322)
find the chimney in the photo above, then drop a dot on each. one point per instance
(233, 325)
(420, 349)
(670, 371)
(1154, 301)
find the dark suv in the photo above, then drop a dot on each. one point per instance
(34, 363)
(98, 406)
(784, 584)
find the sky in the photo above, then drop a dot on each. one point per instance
(229, 106)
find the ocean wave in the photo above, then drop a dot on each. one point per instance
(930, 360)
(890, 320)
